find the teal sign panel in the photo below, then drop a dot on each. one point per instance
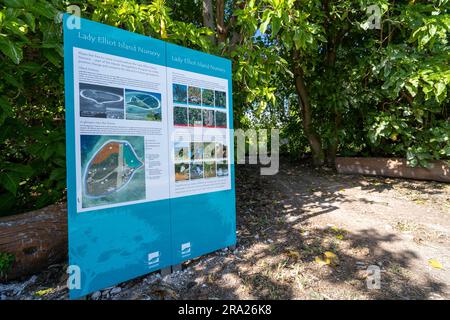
(150, 176)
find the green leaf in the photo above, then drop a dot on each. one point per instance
(53, 56)
(276, 26)
(14, 3)
(297, 39)
(12, 80)
(6, 109)
(18, 169)
(11, 50)
(265, 23)
(29, 18)
(58, 174)
(7, 201)
(9, 181)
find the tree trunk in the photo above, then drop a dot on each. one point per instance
(220, 21)
(208, 19)
(306, 111)
(333, 148)
(36, 239)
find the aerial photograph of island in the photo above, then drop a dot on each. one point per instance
(112, 169)
(142, 105)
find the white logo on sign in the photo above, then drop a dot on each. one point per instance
(186, 248)
(153, 258)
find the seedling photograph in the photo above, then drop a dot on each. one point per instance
(195, 96)
(221, 99)
(180, 116)
(208, 98)
(221, 119)
(210, 169)
(181, 150)
(195, 117)
(209, 150)
(197, 149)
(208, 118)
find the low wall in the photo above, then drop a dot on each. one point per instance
(393, 167)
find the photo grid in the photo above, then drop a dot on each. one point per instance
(199, 107)
(200, 160)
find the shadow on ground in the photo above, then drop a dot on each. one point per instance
(279, 241)
(273, 223)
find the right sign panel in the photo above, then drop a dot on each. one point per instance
(201, 148)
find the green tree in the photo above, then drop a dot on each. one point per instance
(312, 68)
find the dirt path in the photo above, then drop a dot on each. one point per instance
(397, 224)
(286, 221)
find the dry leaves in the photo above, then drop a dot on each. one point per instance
(327, 258)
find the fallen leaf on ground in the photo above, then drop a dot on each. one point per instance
(435, 264)
(327, 258)
(338, 232)
(44, 292)
(293, 254)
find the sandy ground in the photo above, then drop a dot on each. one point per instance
(286, 223)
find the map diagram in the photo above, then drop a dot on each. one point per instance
(110, 172)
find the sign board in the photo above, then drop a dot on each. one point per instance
(150, 178)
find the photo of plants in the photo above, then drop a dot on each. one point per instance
(195, 96)
(181, 151)
(221, 151)
(195, 117)
(197, 150)
(180, 116)
(221, 119)
(209, 151)
(179, 93)
(210, 169)
(208, 118)
(208, 98)
(221, 99)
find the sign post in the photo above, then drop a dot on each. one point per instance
(150, 177)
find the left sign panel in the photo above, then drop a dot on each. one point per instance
(117, 155)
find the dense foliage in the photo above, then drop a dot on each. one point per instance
(312, 68)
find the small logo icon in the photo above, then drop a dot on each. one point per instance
(153, 259)
(186, 249)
